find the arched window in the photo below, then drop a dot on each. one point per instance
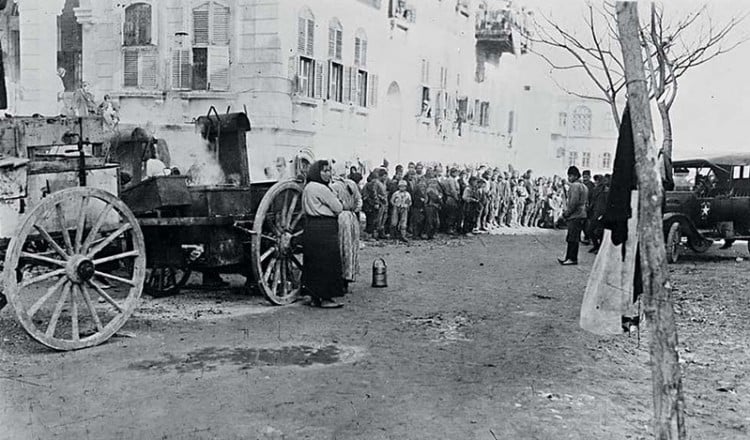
(210, 51)
(582, 119)
(360, 48)
(335, 39)
(306, 32)
(139, 54)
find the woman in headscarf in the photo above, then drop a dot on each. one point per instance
(348, 192)
(321, 273)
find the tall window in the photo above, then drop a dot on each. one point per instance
(336, 82)
(366, 82)
(484, 114)
(586, 159)
(210, 51)
(360, 49)
(582, 119)
(306, 75)
(335, 39)
(572, 158)
(139, 55)
(606, 160)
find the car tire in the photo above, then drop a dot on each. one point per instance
(673, 243)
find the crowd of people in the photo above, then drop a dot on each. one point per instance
(419, 201)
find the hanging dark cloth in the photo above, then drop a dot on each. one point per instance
(624, 181)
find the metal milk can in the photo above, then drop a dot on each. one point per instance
(379, 273)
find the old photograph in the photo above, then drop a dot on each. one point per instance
(374, 219)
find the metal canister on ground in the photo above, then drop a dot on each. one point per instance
(379, 273)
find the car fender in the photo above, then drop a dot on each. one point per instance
(687, 227)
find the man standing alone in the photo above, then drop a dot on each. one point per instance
(575, 215)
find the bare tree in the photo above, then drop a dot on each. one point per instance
(672, 48)
(597, 54)
(673, 51)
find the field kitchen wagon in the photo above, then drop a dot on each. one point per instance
(81, 242)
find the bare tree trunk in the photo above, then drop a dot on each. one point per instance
(665, 370)
(666, 126)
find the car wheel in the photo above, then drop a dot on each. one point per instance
(673, 245)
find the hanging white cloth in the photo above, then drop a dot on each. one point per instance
(609, 290)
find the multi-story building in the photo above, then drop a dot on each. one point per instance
(348, 79)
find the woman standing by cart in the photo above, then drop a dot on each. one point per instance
(321, 275)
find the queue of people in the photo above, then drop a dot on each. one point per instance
(420, 201)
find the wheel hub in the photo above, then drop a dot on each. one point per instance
(285, 242)
(80, 269)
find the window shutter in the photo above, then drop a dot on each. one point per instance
(218, 67)
(318, 89)
(339, 43)
(355, 85)
(130, 68)
(357, 50)
(363, 53)
(347, 89)
(302, 36)
(331, 43)
(148, 64)
(200, 25)
(310, 37)
(293, 73)
(329, 79)
(181, 69)
(220, 25)
(372, 89)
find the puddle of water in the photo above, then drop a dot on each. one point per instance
(210, 358)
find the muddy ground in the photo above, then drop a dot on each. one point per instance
(475, 338)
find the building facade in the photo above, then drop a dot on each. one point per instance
(347, 79)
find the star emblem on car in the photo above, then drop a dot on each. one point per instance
(705, 209)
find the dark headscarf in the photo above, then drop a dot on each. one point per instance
(313, 173)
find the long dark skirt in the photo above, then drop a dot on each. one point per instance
(321, 274)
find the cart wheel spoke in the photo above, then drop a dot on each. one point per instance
(281, 220)
(74, 314)
(295, 261)
(50, 332)
(267, 253)
(48, 238)
(116, 257)
(283, 270)
(97, 225)
(90, 306)
(63, 228)
(51, 291)
(104, 295)
(269, 269)
(290, 214)
(98, 248)
(41, 278)
(297, 234)
(114, 278)
(296, 220)
(81, 223)
(268, 237)
(42, 258)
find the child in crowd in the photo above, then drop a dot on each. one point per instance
(401, 202)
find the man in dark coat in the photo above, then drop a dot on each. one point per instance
(575, 216)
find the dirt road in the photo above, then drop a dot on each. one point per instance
(475, 338)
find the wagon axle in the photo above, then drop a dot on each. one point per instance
(80, 269)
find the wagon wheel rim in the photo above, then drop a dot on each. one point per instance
(277, 243)
(165, 280)
(78, 254)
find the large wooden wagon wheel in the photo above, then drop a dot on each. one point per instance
(74, 270)
(277, 243)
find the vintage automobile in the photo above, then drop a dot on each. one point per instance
(710, 201)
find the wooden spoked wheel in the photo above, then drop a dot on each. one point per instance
(674, 243)
(277, 243)
(74, 270)
(166, 281)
